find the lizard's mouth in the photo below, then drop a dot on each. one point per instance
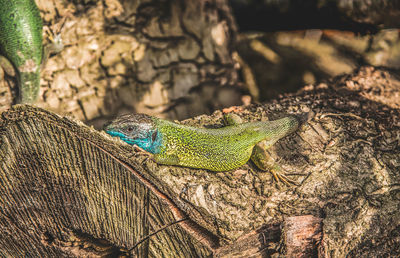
(116, 134)
(120, 135)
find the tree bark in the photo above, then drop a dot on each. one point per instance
(172, 58)
(68, 190)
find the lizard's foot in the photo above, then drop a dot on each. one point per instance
(263, 160)
(56, 44)
(280, 177)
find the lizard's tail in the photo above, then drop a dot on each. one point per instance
(275, 130)
(280, 128)
(29, 87)
(287, 125)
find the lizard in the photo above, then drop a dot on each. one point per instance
(221, 149)
(21, 46)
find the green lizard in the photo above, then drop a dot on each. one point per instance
(220, 149)
(21, 46)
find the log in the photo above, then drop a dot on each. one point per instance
(69, 190)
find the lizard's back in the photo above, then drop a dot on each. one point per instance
(21, 43)
(217, 149)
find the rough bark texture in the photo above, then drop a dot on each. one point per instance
(69, 190)
(303, 235)
(172, 58)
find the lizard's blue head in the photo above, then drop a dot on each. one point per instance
(136, 129)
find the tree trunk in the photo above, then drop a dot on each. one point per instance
(68, 190)
(172, 58)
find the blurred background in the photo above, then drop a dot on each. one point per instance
(179, 59)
